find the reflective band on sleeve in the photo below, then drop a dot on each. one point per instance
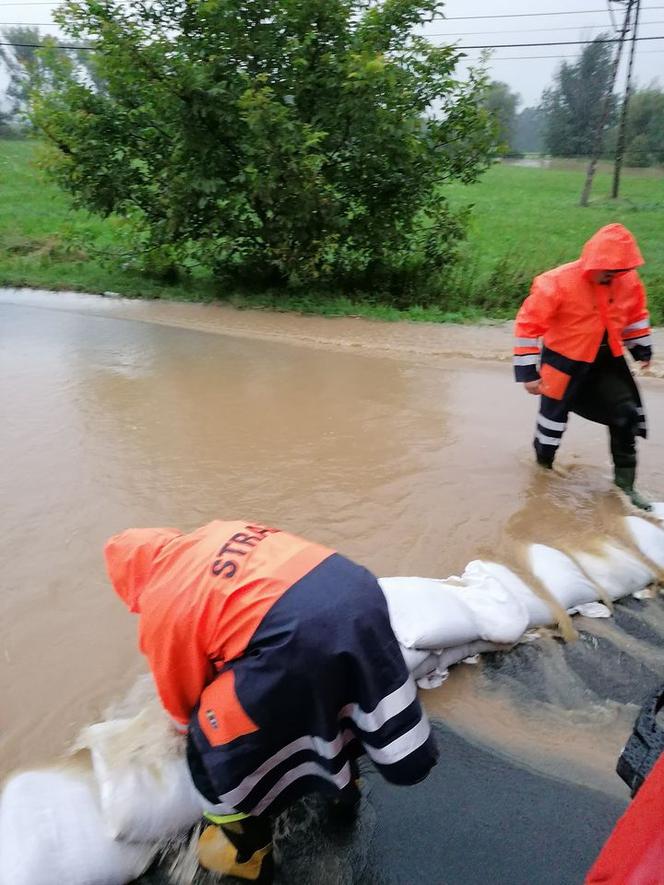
(388, 708)
(551, 425)
(526, 342)
(646, 341)
(642, 324)
(401, 747)
(528, 360)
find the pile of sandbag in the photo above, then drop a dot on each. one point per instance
(441, 622)
(103, 816)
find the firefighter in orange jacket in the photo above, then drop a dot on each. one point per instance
(570, 336)
(276, 656)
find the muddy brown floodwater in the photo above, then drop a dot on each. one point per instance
(406, 447)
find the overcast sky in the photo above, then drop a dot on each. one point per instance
(526, 75)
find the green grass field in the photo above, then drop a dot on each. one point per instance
(524, 220)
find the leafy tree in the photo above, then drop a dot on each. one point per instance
(19, 60)
(574, 105)
(24, 66)
(274, 141)
(529, 136)
(5, 123)
(644, 133)
(645, 127)
(501, 103)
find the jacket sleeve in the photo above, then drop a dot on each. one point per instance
(532, 322)
(637, 334)
(180, 666)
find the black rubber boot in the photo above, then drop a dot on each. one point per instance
(345, 807)
(624, 478)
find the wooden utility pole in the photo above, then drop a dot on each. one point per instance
(601, 124)
(620, 145)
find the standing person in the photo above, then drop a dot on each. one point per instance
(585, 312)
(276, 655)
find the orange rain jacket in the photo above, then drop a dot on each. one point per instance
(570, 314)
(201, 597)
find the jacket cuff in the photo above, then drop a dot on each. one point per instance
(526, 373)
(642, 353)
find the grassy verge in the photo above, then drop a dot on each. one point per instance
(524, 220)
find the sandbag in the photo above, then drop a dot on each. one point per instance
(433, 671)
(419, 660)
(427, 613)
(145, 788)
(539, 613)
(616, 571)
(658, 511)
(502, 616)
(450, 656)
(648, 538)
(561, 576)
(52, 833)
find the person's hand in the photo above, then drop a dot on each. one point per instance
(645, 365)
(534, 387)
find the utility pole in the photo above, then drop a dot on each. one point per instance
(601, 124)
(620, 146)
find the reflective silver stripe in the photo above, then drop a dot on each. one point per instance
(642, 425)
(526, 342)
(401, 747)
(551, 425)
(326, 749)
(646, 341)
(388, 708)
(547, 440)
(306, 769)
(642, 324)
(527, 360)
(640, 410)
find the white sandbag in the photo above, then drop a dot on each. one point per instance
(502, 617)
(591, 610)
(434, 670)
(145, 787)
(616, 571)
(52, 833)
(539, 613)
(648, 538)
(418, 660)
(658, 511)
(427, 613)
(451, 656)
(561, 576)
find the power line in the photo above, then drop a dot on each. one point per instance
(534, 14)
(24, 3)
(555, 43)
(66, 46)
(528, 30)
(428, 34)
(527, 57)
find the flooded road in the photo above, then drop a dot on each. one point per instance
(405, 447)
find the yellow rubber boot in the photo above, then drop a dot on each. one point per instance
(233, 850)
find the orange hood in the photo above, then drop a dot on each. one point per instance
(129, 560)
(612, 248)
